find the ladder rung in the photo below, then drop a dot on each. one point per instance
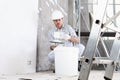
(102, 61)
(99, 60)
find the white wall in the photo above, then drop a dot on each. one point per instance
(18, 34)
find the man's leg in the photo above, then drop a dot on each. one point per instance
(81, 50)
(51, 57)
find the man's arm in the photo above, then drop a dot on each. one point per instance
(73, 35)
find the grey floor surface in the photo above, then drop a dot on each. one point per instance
(48, 75)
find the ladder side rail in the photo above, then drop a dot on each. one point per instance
(90, 50)
(113, 56)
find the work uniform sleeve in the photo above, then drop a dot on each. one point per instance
(72, 31)
(50, 37)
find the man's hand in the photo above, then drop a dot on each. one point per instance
(74, 39)
(52, 47)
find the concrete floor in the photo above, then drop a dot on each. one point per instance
(48, 75)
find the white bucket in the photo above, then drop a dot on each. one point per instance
(66, 61)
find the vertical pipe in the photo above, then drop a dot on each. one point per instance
(79, 18)
(114, 11)
(70, 12)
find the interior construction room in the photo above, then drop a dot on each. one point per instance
(26, 42)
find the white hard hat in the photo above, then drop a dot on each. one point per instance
(57, 15)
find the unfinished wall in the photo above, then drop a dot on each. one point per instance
(45, 23)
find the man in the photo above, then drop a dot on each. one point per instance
(62, 35)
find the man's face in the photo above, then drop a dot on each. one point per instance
(58, 23)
